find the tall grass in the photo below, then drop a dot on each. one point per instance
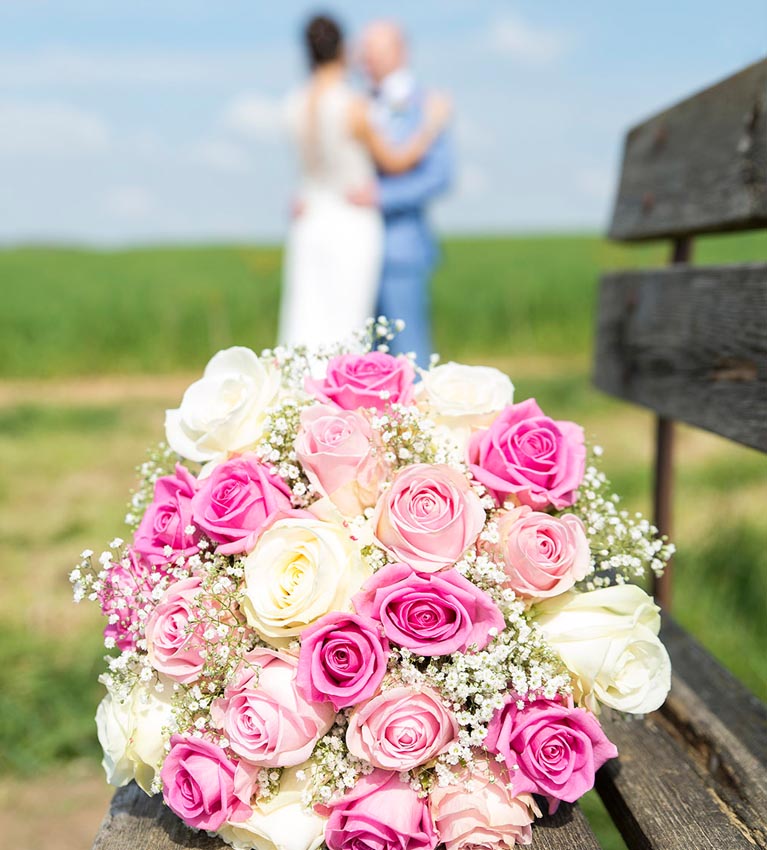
(69, 311)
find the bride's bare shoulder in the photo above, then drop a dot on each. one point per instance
(358, 113)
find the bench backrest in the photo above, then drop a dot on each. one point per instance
(689, 342)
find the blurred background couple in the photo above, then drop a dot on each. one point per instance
(359, 244)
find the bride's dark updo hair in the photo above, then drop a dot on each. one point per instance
(324, 40)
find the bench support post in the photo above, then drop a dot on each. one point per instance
(663, 495)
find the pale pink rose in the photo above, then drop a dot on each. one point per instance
(337, 451)
(529, 457)
(203, 786)
(429, 516)
(374, 380)
(479, 809)
(543, 555)
(429, 613)
(263, 714)
(163, 532)
(379, 812)
(239, 499)
(126, 589)
(550, 748)
(342, 660)
(401, 728)
(174, 632)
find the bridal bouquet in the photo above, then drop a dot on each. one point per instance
(370, 611)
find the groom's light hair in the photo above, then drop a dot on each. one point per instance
(386, 38)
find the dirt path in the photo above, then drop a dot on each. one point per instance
(102, 389)
(60, 810)
(113, 389)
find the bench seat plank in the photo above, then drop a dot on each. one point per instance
(689, 343)
(722, 726)
(699, 166)
(138, 822)
(656, 797)
(694, 774)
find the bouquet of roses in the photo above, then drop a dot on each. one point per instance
(369, 608)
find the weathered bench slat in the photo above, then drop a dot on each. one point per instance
(693, 775)
(721, 725)
(567, 829)
(655, 796)
(689, 343)
(138, 822)
(698, 167)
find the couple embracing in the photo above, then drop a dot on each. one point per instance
(359, 244)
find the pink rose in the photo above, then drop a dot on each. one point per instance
(203, 786)
(380, 812)
(550, 748)
(479, 809)
(237, 502)
(431, 614)
(543, 555)
(335, 448)
(127, 588)
(342, 660)
(174, 632)
(401, 728)
(374, 380)
(526, 455)
(164, 525)
(263, 714)
(429, 517)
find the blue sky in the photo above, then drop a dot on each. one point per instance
(157, 121)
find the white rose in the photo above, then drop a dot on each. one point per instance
(608, 640)
(461, 398)
(301, 569)
(130, 731)
(280, 823)
(114, 719)
(224, 411)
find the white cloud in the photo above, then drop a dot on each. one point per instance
(130, 202)
(221, 155)
(595, 183)
(255, 116)
(526, 42)
(472, 135)
(96, 68)
(52, 128)
(472, 179)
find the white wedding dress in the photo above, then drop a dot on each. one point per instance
(333, 252)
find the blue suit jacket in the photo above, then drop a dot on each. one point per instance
(404, 197)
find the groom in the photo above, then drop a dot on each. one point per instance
(410, 249)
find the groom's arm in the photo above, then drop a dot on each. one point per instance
(431, 177)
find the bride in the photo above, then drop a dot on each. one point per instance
(334, 246)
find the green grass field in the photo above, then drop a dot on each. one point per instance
(149, 319)
(75, 312)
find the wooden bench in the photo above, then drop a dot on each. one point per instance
(691, 344)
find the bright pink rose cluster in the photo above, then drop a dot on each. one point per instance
(429, 523)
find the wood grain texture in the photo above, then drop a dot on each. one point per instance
(565, 830)
(722, 727)
(656, 797)
(689, 343)
(698, 167)
(693, 775)
(138, 822)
